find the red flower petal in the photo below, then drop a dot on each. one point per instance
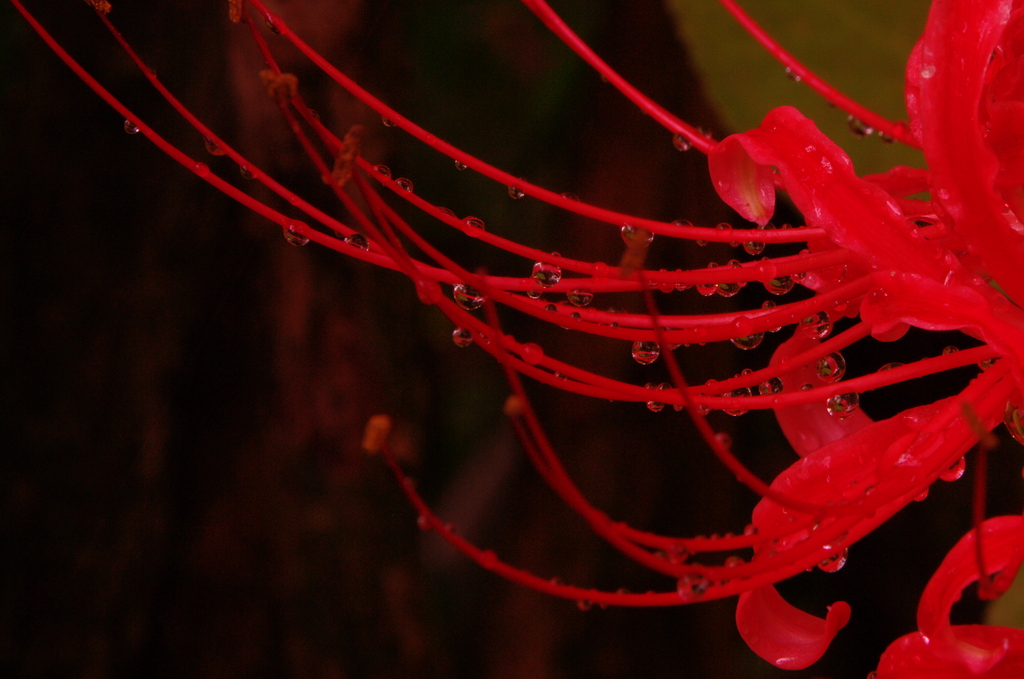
(945, 83)
(910, 657)
(809, 426)
(941, 650)
(783, 634)
(819, 177)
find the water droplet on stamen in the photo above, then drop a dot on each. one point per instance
(831, 368)
(462, 337)
(741, 392)
(692, 587)
(293, 236)
(212, 148)
(770, 387)
(459, 165)
(632, 235)
(708, 289)
(793, 75)
(404, 183)
(357, 240)
(817, 326)
(681, 143)
(842, 406)
(546, 275)
(246, 171)
(580, 298)
(646, 353)
(475, 222)
(779, 285)
(387, 122)
(130, 127)
(748, 342)
(466, 297)
(515, 193)
(383, 170)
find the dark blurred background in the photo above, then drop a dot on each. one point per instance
(183, 393)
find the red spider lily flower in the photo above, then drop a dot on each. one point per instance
(878, 261)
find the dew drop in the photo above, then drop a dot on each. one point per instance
(246, 171)
(459, 165)
(212, 148)
(571, 196)
(946, 351)
(635, 236)
(546, 275)
(835, 562)
(708, 289)
(293, 236)
(646, 353)
(842, 406)
(466, 297)
(779, 285)
(580, 298)
(741, 392)
(831, 368)
(201, 169)
(954, 472)
(534, 294)
(817, 326)
(692, 587)
(514, 192)
(793, 75)
(462, 337)
(728, 289)
(652, 405)
(890, 366)
(770, 387)
(404, 183)
(387, 121)
(927, 71)
(383, 170)
(130, 127)
(357, 240)
(1013, 418)
(681, 143)
(753, 247)
(475, 223)
(749, 341)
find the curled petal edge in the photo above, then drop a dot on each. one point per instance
(781, 633)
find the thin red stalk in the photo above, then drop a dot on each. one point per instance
(978, 517)
(799, 234)
(490, 561)
(702, 142)
(721, 451)
(897, 130)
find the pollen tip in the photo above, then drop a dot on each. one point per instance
(101, 6)
(513, 406)
(376, 433)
